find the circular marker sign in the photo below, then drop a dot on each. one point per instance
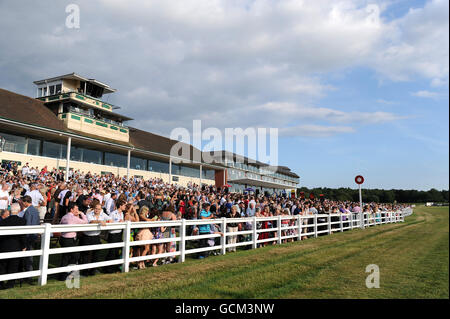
(359, 179)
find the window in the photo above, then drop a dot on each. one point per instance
(190, 171)
(92, 156)
(159, 167)
(34, 146)
(114, 159)
(58, 88)
(54, 150)
(176, 169)
(138, 163)
(76, 153)
(16, 144)
(208, 174)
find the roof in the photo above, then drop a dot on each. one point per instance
(160, 144)
(74, 76)
(24, 109)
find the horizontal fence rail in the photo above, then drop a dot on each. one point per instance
(254, 232)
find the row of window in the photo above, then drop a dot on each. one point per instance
(40, 147)
(52, 90)
(238, 174)
(240, 188)
(264, 171)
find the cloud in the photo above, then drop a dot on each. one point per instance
(416, 45)
(314, 130)
(256, 63)
(426, 94)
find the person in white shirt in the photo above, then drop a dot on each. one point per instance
(110, 203)
(4, 196)
(97, 216)
(25, 170)
(115, 236)
(36, 196)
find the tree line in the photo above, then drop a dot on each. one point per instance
(376, 195)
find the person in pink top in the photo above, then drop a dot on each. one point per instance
(69, 239)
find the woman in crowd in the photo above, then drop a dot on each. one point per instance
(144, 234)
(69, 239)
(232, 227)
(132, 216)
(167, 215)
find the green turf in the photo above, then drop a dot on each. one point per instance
(412, 258)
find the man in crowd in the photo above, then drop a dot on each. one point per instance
(31, 216)
(10, 243)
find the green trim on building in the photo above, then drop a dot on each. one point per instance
(106, 106)
(63, 116)
(75, 117)
(101, 124)
(113, 128)
(80, 97)
(89, 121)
(123, 131)
(51, 98)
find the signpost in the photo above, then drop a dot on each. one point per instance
(359, 180)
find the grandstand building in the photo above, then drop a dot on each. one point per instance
(69, 126)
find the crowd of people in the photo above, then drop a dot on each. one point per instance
(31, 196)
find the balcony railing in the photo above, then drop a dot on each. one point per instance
(79, 97)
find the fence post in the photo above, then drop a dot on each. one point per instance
(182, 241)
(254, 236)
(342, 225)
(45, 246)
(299, 218)
(361, 217)
(126, 249)
(224, 237)
(329, 224)
(279, 229)
(351, 220)
(315, 226)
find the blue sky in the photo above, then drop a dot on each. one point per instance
(354, 86)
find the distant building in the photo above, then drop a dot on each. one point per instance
(69, 126)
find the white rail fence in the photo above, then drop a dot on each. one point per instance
(297, 227)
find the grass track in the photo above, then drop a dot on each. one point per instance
(412, 257)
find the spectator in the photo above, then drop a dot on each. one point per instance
(11, 243)
(31, 215)
(69, 239)
(115, 236)
(96, 216)
(4, 196)
(204, 229)
(232, 227)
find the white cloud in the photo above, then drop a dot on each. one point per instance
(230, 63)
(417, 45)
(426, 94)
(314, 130)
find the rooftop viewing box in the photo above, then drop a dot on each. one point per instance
(76, 101)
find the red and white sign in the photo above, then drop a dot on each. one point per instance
(359, 179)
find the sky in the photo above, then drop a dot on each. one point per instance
(354, 87)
